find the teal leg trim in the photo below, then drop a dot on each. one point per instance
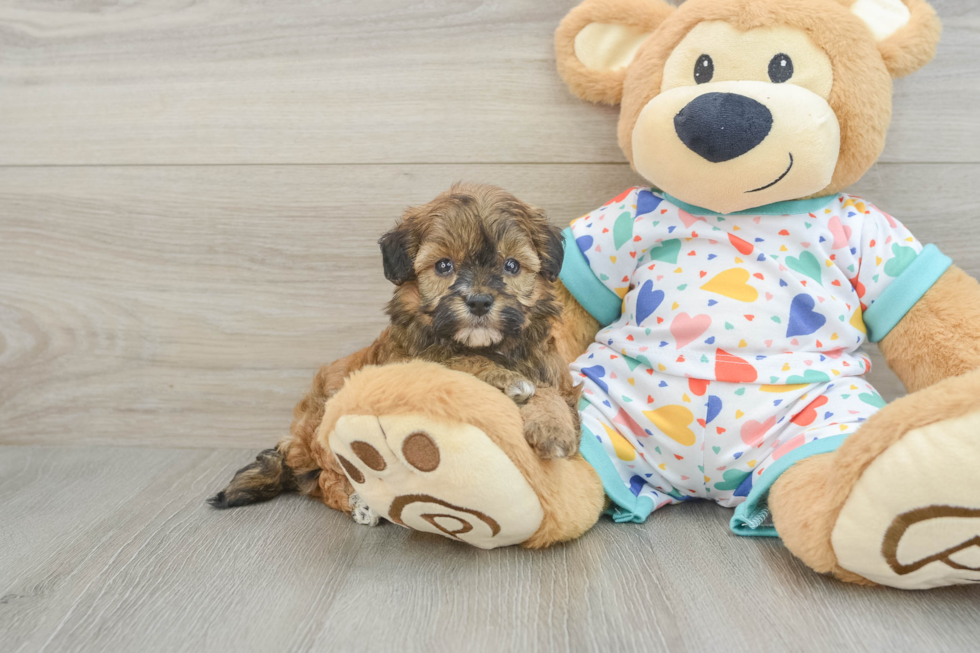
(751, 518)
(626, 507)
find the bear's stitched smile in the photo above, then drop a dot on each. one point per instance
(778, 179)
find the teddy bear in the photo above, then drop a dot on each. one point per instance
(716, 319)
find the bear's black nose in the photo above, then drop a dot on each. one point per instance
(722, 126)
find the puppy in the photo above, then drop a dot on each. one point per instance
(475, 271)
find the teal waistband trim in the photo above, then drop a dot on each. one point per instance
(627, 507)
(601, 303)
(751, 517)
(789, 207)
(898, 298)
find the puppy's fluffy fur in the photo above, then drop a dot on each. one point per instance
(475, 271)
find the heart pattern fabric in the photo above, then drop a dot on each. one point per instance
(781, 295)
(706, 439)
(739, 339)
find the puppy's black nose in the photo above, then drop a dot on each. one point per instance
(479, 304)
(722, 126)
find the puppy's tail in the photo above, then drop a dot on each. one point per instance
(266, 478)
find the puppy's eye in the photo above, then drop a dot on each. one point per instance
(511, 266)
(780, 68)
(444, 267)
(704, 69)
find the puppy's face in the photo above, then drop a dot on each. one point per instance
(475, 265)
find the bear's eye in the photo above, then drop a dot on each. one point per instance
(444, 267)
(780, 68)
(704, 69)
(511, 266)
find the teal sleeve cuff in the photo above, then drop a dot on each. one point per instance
(751, 518)
(626, 506)
(899, 297)
(601, 303)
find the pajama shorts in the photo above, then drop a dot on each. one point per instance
(697, 439)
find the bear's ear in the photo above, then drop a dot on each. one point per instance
(597, 40)
(907, 32)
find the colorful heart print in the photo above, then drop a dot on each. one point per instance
(647, 301)
(666, 251)
(732, 479)
(807, 264)
(686, 329)
(803, 319)
(754, 431)
(902, 259)
(732, 283)
(732, 369)
(841, 233)
(673, 421)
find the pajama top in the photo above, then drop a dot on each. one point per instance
(779, 298)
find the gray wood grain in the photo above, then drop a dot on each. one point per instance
(190, 306)
(113, 549)
(374, 81)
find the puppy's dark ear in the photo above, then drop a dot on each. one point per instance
(551, 250)
(396, 253)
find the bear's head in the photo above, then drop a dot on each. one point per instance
(734, 104)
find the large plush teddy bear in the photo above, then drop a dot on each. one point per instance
(722, 315)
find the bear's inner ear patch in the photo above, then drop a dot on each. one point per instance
(606, 46)
(883, 17)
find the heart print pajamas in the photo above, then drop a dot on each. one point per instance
(732, 344)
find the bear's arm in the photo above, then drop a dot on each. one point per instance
(577, 329)
(939, 337)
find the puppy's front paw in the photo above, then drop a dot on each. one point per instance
(520, 391)
(361, 512)
(550, 440)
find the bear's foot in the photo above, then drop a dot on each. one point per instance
(437, 477)
(912, 520)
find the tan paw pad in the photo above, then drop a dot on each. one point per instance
(913, 518)
(446, 479)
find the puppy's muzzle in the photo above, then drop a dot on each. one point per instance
(479, 305)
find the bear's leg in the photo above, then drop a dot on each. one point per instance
(899, 502)
(442, 452)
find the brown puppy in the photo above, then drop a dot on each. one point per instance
(476, 271)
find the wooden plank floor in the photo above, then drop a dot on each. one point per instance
(113, 549)
(190, 196)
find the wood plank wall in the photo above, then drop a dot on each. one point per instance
(191, 190)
